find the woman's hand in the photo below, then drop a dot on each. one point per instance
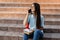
(31, 31)
(41, 28)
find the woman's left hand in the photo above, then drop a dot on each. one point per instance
(31, 31)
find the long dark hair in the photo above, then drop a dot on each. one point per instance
(38, 13)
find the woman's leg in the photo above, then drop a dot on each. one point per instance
(25, 37)
(37, 34)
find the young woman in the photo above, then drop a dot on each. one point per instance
(36, 23)
(27, 24)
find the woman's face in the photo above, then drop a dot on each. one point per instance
(32, 8)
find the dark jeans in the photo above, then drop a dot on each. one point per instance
(36, 35)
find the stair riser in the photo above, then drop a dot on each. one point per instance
(52, 23)
(51, 30)
(11, 21)
(13, 29)
(12, 16)
(51, 11)
(51, 39)
(21, 22)
(19, 38)
(21, 14)
(47, 39)
(51, 16)
(31, 1)
(26, 5)
(17, 9)
(25, 9)
(14, 5)
(8, 38)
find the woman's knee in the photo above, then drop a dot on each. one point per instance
(37, 30)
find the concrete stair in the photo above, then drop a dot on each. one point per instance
(12, 25)
(20, 27)
(13, 12)
(18, 36)
(45, 7)
(15, 31)
(31, 1)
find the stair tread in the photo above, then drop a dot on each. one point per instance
(12, 25)
(52, 26)
(19, 28)
(43, 13)
(46, 35)
(11, 18)
(22, 26)
(52, 8)
(23, 5)
(6, 33)
(26, 3)
(12, 9)
(46, 19)
(52, 35)
(52, 19)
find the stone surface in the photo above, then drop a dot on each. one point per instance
(3, 28)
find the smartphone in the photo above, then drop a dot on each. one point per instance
(29, 11)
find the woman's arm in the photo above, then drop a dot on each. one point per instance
(25, 20)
